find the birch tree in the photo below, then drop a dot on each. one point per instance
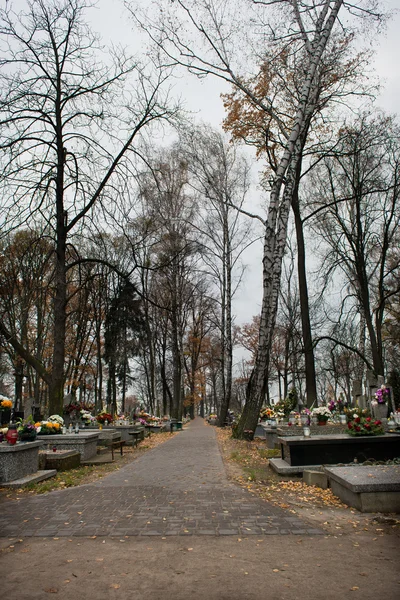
(218, 27)
(221, 178)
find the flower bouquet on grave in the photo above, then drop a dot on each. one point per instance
(305, 416)
(380, 403)
(365, 426)
(322, 413)
(26, 430)
(5, 410)
(56, 419)
(87, 418)
(266, 414)
(5, 403)
(104, 416)
(48, 428)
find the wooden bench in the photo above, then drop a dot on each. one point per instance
(115, 446)
(138, 436)
(176, 424)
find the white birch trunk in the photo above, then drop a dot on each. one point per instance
(277, 218)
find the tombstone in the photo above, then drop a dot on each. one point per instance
(357, 388)
(28, 407)
(371, 379)
(358, 397)
(67, 399)
(362, 401)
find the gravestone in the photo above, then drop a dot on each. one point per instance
(357, 394)
(28, 408)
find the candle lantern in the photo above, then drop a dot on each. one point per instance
(12, 435)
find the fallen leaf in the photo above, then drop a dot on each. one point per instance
(115, 586)
(51, 591)
(354, 588)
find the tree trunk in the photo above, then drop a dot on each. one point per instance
(311, 384)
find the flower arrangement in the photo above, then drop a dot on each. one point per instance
(5, 403)
(48, 428)
(322, 413)
(76, 407)
(294, 418)
(56, 419)
(71, 408)
(87, 417)
(26, 429)
(266, 413)
(365, 426)
(353, 412)
(382, 395)
(337, 406)
(104, 416)
(153, 420)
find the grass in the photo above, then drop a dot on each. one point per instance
(71, 478)
(88, 473)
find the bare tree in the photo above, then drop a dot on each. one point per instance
(221, 178)
(359, 187)
(306, 27)
(63, 114)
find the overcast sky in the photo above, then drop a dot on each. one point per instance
(203, 98)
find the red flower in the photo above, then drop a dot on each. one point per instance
(378, 423)
(368, 419)
(349, 425)
(367, 426)
(358, 428)
(357, 419)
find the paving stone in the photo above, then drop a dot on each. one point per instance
(228, 531)
(158, 494)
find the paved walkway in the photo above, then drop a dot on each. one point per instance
(179, 488)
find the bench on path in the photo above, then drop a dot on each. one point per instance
(176, 424)
(118, 445)
(138, 435)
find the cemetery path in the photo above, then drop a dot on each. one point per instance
(179, 488)
(170, 525)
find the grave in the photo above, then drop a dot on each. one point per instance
(19, 464)
(374, 488)
(61, 460)
(299, 453)
(339, 448)
(83, 442)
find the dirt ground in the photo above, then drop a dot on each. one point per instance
(358, 554)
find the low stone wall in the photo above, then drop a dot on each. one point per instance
(328, 429)
(18, 461)
(84, 442)
(61, 460)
